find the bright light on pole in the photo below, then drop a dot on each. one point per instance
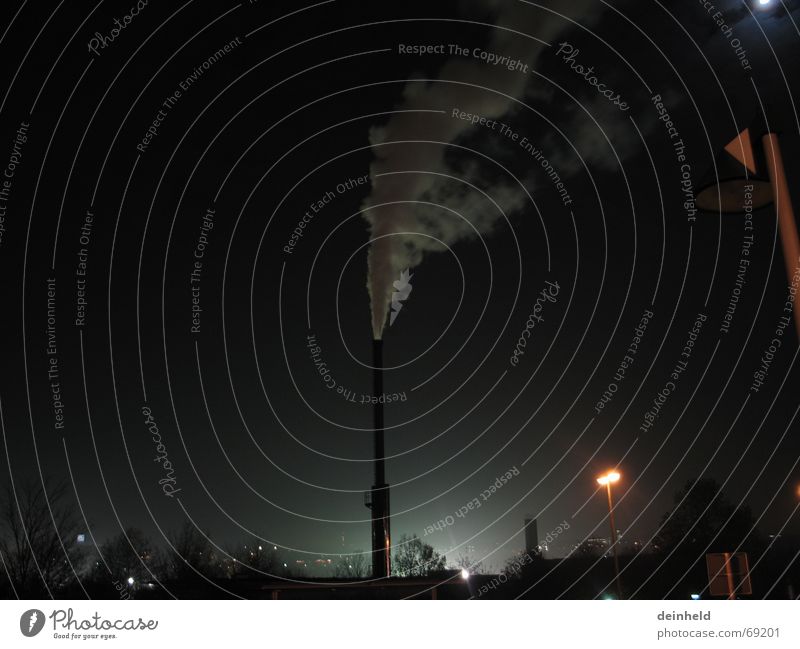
(130, 581)
(606, 481)
(608, 478)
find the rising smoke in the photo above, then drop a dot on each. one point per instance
(402, 173)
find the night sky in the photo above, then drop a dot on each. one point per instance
(297, 115)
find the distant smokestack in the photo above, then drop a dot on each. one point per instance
(532, 537)
(379, 501)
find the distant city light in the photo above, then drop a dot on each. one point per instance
(464, 574)
(259, 548)
(695, 596)
(81, 538)
(130, 581)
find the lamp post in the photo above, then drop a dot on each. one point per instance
(606, 481)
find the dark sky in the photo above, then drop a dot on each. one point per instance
(258, 443)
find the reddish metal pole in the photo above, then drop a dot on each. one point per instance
(783, 207)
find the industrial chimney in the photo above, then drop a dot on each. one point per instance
(379, 495)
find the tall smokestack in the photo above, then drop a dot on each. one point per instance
(381, 537)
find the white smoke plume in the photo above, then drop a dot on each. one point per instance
(389, 209)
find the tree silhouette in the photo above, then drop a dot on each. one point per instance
(192, 556)
(465, 562)
(351, 566)
(704, 517)
(128, 555)
(38, 539)
(413, 558)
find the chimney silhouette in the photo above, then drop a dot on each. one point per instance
(379, 496)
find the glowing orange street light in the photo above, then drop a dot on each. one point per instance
(611, 476)
(606, 481)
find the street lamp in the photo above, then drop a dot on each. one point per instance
(606, 481)
(611, 476)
